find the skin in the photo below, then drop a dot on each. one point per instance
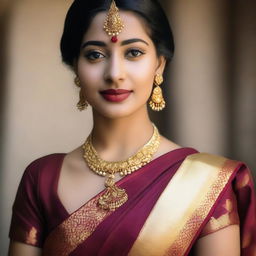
(128, 64)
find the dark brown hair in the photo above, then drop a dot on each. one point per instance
(81, 13)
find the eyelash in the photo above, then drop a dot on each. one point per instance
(134, 50)
(95, 55)
(91, 55)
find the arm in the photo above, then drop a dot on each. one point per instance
(225, 242)
(20, 249)
(27, 224)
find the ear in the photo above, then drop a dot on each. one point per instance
(75, 66)
(161, 65)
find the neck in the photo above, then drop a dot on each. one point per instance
(118, 139)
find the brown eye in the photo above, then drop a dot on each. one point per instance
(94, 55)
(133, 53)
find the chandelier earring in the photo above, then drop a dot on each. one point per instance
(157, 102)
(82, 103)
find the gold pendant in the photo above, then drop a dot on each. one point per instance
(113, 197)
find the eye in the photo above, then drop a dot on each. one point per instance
(133, 53)
(94, 55)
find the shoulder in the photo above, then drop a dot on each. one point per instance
(45, 161)
(211, 160)
(44, 165)
(219, 169)
(40, 175)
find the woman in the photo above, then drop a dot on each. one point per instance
(159, 198)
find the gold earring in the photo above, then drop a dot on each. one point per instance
(82, 103)
(77, 81)
(157, 102)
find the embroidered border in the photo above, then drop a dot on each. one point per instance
(75, 230)
(183, 206)
(187, 233)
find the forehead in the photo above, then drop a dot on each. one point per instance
(134, 27)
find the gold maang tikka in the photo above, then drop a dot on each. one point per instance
(113, 24)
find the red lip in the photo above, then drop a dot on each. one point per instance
(115, 91)
(115, 95)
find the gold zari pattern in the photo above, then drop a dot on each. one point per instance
(223, 221)
(174, 220)
(74, 230)
(31, 237)
(244, 182)
(228, 216)
(114, 196)
(186, 235)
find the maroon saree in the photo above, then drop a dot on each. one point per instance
(128, 230)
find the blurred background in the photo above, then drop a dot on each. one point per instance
(210, 87)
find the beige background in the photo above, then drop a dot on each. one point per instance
(210, 91)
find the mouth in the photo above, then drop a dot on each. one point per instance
(115, 95)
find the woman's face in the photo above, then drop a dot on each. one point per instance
(117, 78)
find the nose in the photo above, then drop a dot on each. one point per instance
(115, 70)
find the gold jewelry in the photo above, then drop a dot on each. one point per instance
(77, 81)
(115, 196)
(82, 103)
(157, 101)
(113, 24)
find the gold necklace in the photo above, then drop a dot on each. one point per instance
(115, 196)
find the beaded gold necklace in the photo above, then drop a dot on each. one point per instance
(115, 196)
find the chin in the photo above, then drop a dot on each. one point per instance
(117, 112)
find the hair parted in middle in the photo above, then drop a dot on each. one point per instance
(81, 13)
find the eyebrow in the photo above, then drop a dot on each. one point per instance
(95, 43)
(133, 40)
(102, 44)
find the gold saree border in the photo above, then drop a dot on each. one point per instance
(66, 237)
(183, 206)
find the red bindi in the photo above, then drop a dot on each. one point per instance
(114, 39)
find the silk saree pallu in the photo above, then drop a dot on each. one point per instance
(170, 200)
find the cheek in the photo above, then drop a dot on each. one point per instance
(142, 73)
(89, 73)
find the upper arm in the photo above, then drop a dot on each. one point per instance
(225, 242)
(20, 249)
(27, 224)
